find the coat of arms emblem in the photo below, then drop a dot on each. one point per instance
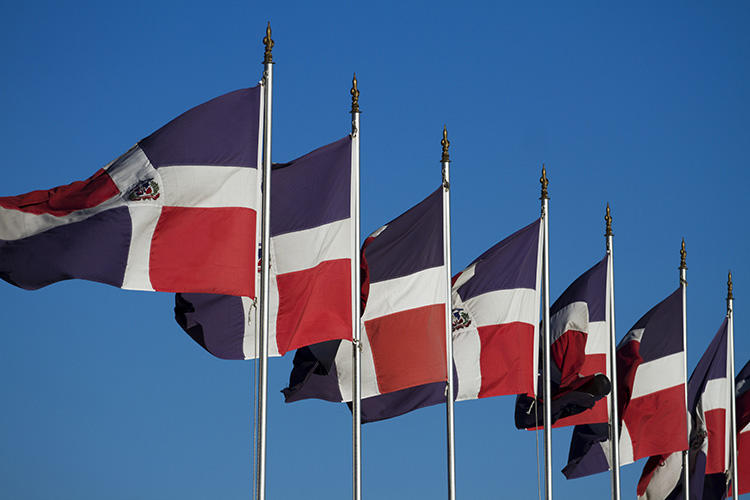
(461, 319)
(145, 190)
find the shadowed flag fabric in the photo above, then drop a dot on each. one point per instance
(496, 324)
(651, 396)
(177, 212)
(579, 329)
(403, 319)
(709, 391)
(311, 260)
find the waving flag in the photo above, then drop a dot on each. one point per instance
(311, 260)
(579, 329)
(742, 394)
(177, 212)
(709, 390)
(496, 316)
(495, 313)
(651, 399)
(403, 334)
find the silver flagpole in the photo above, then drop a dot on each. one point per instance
(547, 384)
(614, 420)
(446, 162)
(732, 402)
(356, 304)
(265, 266)
(683, 287)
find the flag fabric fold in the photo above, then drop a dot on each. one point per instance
(579, 329)
(403, 318)
(177, 212)
(311, 259)
(651, 395)
(709, 390)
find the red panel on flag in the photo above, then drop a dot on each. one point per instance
(315, 305)
(64, 200)
(743, 462)
(208, 250)
(408, 347)
(715, 424)
(506, 359)
(592, 364)
(657, 422)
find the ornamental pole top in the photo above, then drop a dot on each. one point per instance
(446, 144)
(545, 182)
(683, 255)
(355, 95)
(267, 57)
(608, 219)
(730, 296)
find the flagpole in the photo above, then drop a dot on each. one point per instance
(683, 287)
(547, 384)
(732, 401)
(614, 422)
(445, 161)
(356, 304)
(265, 267)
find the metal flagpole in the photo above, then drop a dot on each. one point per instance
(547, 384)
(732, 402)
(683, 287)
(265, 267)
(356, 304)
(614, 419)
(446, 162)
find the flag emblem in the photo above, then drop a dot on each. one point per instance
(461, 319)
(145, 190)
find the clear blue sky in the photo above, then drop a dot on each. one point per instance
(105, 397)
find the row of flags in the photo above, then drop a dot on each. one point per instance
(181, 212)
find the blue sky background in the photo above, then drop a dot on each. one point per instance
(646, 107)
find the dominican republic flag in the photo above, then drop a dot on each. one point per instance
(312, 247)
(709, 393)
(579, 330)
(651, 397)
(495, 313)
(742, 393)
(404, 287)
(177, 212)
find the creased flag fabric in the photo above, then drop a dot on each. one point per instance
(311, 265)
(709, 393)
(177, 212)
(495, 327)
(651, 398)
(403, 318)
(579, 330)
(742, 395)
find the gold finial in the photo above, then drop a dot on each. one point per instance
(729, 287)
(267, 57)
(355, 95)
(543, 179)
(608, 219)
(683, 255)
(446, 144)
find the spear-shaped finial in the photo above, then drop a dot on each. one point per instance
(608, 219)
(446, 144)
(355, 95)
(683, 255)
(543, 179)
(267, 57)
(729, 287)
